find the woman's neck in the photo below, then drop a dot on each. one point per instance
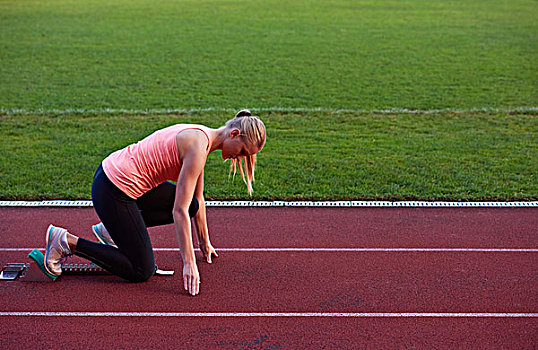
(217, 138)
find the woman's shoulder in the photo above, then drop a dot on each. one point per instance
(176, 129)
(191, 132)
(181, 127)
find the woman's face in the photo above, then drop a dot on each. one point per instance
(235, 147)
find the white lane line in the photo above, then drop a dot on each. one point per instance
(282, 109)
(372, 249)
(266, 314)
(484, 250)
(323, 204)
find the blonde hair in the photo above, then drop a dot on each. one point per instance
(252, 130)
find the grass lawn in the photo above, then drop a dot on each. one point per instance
(352, 54)
(307, 156)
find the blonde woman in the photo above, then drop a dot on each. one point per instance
(131, 192)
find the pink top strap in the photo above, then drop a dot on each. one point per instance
(142, 166)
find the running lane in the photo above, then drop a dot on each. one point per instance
(321, 282)
(309, 227)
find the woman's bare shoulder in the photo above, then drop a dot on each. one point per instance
(192, 140)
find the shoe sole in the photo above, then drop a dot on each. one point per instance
(49, 233)
(100, 238)
(98, 235)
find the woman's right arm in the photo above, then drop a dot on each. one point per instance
(193, 164)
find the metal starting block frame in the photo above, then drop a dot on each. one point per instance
(12, 270)
(35, 270)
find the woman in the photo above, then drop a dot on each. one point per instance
(130, 192)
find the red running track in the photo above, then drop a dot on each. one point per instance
(302, 282)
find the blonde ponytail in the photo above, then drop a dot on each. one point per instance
(253, 131)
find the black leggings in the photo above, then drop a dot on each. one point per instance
(127, 219)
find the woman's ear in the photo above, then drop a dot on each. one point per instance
(234, 133)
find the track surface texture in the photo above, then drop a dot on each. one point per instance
(348, 290)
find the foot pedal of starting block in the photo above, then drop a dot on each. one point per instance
(36, 271)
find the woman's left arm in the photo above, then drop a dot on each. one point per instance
(200, 221)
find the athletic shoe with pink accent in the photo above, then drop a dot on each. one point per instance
(102, 234)
(57, 250)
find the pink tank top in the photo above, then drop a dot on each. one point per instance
(142, 166)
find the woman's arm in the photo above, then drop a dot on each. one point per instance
(194, 157)
(200, 222)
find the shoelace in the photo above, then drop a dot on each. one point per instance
(64, 259)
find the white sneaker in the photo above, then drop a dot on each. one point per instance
(57, 250)
(102, 234)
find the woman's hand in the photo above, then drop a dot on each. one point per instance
(191, 278)
(208, 251)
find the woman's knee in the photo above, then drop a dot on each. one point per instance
(141, 275)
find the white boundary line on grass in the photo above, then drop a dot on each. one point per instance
(109, 111)
(336, 204)
(266, 314)
(351, 250)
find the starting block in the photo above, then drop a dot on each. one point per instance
(13, 270)
(35, 270)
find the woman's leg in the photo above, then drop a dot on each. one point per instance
(133, 259)
(155, 207)
(157, 204)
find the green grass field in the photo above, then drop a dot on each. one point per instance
(312, 156)
(75, 76)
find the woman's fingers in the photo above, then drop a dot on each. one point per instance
(213, 253)
(191, 279)
(192, 285)
(209, 253)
